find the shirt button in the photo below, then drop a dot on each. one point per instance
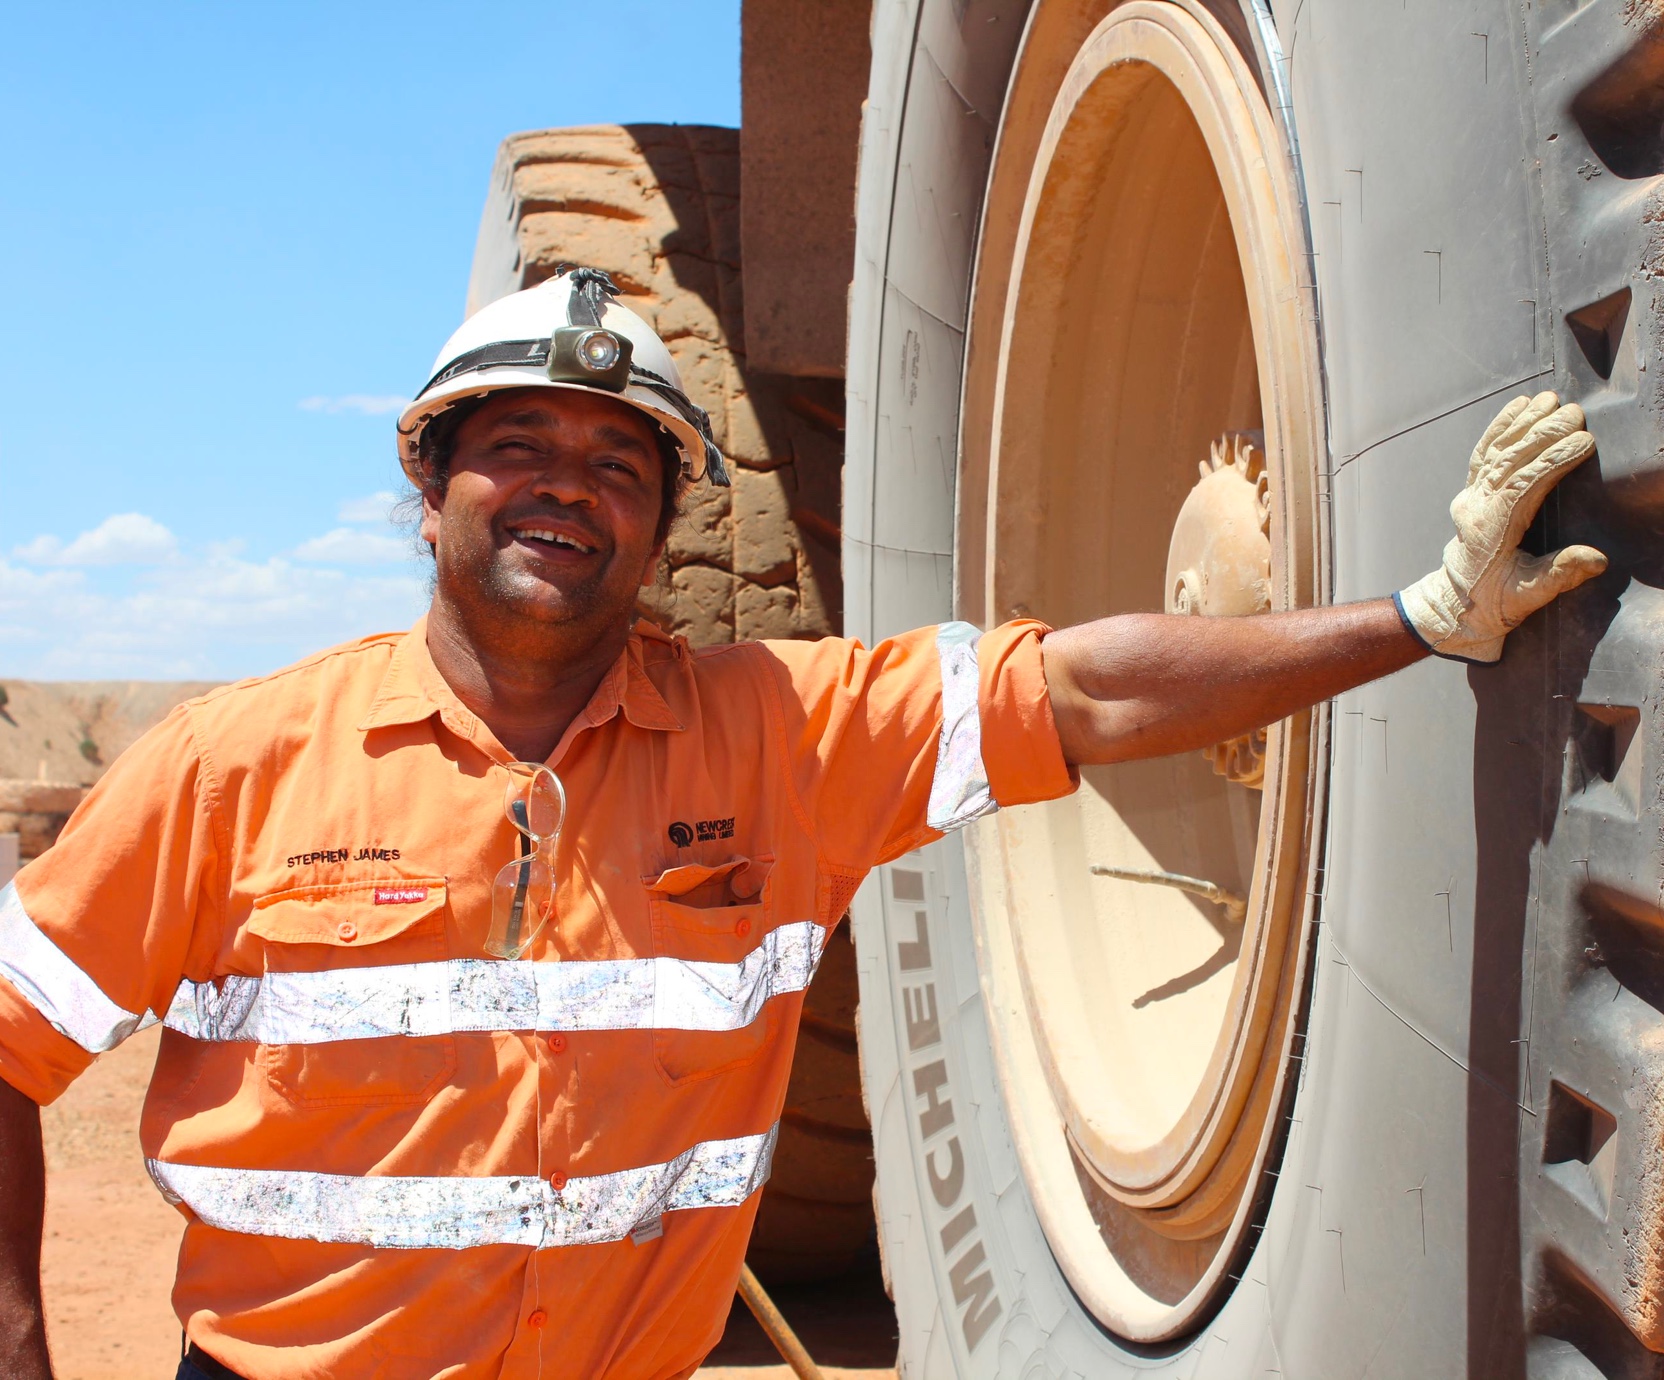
(742, 928)
(557, 1181)
(347, 930)
(536, 1318)
(557, 1042)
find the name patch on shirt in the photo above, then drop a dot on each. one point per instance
(369, 852)
(400, 895)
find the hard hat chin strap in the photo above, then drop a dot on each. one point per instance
(716, 469)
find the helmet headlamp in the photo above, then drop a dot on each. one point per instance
(590, 355)
(598, 350)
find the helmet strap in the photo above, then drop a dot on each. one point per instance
(592, 289)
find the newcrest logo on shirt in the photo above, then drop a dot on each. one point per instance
(705, 830)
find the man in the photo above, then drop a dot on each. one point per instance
(468, 1072)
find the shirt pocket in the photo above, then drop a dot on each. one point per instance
(337, 968)
(714, 975)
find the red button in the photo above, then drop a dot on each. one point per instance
(557, 1182)
(347, 930)
(536, 1318)
(742, 928)
(557, 1042)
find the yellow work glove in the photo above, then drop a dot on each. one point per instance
(1487, 585)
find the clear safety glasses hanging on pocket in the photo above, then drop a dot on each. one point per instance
(523, 896)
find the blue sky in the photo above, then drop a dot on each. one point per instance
(232, 238)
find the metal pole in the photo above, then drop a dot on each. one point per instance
(779, 1331)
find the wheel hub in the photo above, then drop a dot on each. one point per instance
(1219, 566)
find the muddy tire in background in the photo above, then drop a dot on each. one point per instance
(1399, 1116)
(657, 207)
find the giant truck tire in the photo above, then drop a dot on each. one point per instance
(1201, 305)
(657, 207)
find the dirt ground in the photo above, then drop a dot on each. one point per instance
(107, 1261)
(110, 1245)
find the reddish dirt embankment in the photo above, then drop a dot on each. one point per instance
(70, 731)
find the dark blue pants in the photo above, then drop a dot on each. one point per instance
(199, 1365)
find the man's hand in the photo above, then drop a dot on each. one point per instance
(22, 1201)
(1146, 685)
(1487, 586)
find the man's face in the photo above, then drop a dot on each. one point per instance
(552, 509)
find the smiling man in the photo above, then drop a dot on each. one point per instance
(545, 520)
(481, 948)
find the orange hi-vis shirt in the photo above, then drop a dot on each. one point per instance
(400, 1157)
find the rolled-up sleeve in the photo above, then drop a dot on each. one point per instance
(892, 747)
(1020, 747)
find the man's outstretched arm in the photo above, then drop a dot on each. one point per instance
(22, 1205)
(1145, 685)
(1150, 684)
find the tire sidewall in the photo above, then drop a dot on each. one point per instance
(977, 1290)
(1018, 1316)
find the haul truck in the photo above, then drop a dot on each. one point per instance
(1335, 1051)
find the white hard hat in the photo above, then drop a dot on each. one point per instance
(564, 333)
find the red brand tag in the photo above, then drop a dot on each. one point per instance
(400, 895)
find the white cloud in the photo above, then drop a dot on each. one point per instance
(43, 550)
(202, 616)
(124, 539)
(378, 507)
(365, 404)
(353, 546)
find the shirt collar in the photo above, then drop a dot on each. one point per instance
(412, 690)
(627, 687)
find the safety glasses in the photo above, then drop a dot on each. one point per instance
(523, 896)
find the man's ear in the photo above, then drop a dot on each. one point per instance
(650, 573)
(432, 505)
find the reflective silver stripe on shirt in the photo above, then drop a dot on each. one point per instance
(392, 1212)
(470, 994)
(959, 791)
(71, 1001)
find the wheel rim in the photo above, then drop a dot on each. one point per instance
(1138, 299)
